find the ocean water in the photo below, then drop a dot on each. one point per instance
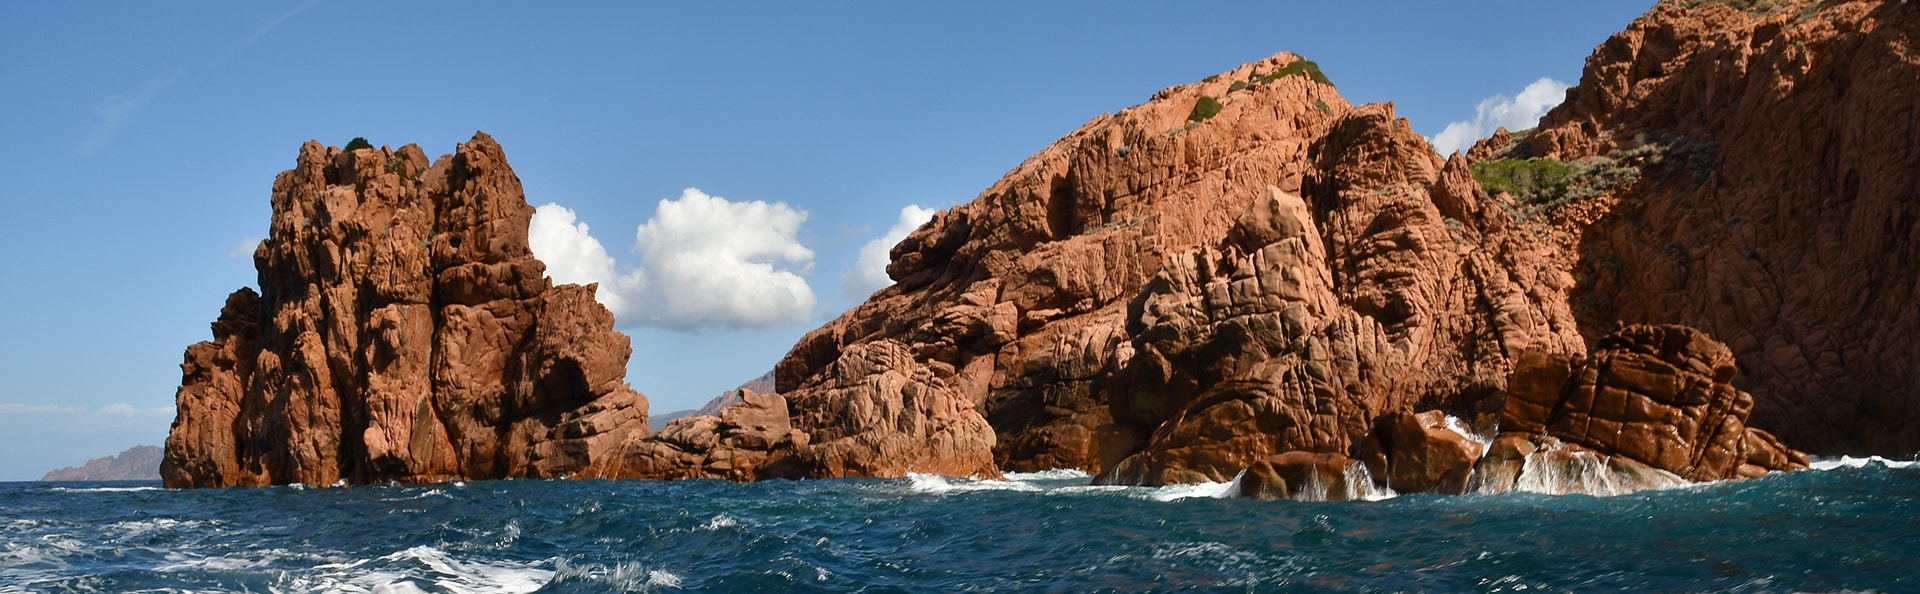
(1852, 526)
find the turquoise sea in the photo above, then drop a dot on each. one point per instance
(1851, 526)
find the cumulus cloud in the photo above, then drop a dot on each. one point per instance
(869, 272)
(1500, 111)
(573, 256)
(706, 262)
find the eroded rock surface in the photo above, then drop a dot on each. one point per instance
(403, 332)
(1014, 306)
(1657, 395)
(1289, 285)
(1785, 224)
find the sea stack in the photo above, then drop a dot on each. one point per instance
(403, 331)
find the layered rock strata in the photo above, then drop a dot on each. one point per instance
(403, 331)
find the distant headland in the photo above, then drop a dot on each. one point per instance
(138, 463)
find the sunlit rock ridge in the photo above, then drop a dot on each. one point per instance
(1246, 276)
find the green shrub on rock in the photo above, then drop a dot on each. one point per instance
(1205, 108)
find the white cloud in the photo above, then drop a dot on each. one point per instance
(43, 409)
(244, 250)
(706, 262)
(869, 272)
(1501, 111)
(128, 410)
(116, 409)
(573, 256)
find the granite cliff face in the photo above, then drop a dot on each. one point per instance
(403, 332)
(1242, 274)
(1172, 295)
(1783, 222)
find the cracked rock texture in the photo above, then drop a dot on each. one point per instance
(403, 331)
(1789, 233)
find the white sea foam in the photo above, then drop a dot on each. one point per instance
(1459, 426)
(1079, 489)
(102, 489)
(441, 493)
(186, 561)
(1057, 474)
(1852, 462)
(623, 577)
(50, 551)
(934, 484)
(720, 521)
(1208, 490)
(137, 528)
(1558, 470)
(454, 575)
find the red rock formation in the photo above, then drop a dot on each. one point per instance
(1011, 310)
(1785, 223)
(1300, 476)
(403, 332)
(1418, 453)
(1657, 395)
(1174, 294)
(754, 432)
(1393, 284)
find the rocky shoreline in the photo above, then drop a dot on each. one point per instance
(1243, 274)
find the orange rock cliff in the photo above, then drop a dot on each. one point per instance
(1246, 273)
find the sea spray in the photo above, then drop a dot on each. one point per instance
(1555, 469)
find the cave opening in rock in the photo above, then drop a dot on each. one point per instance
(1062, 221)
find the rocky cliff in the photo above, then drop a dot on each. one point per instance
(1247, 273)
(1782, 220)
(1237, 270)
(403, 331)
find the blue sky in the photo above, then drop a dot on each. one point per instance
(141, 140)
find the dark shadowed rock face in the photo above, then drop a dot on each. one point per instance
(403, 332)
(1787, 226)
